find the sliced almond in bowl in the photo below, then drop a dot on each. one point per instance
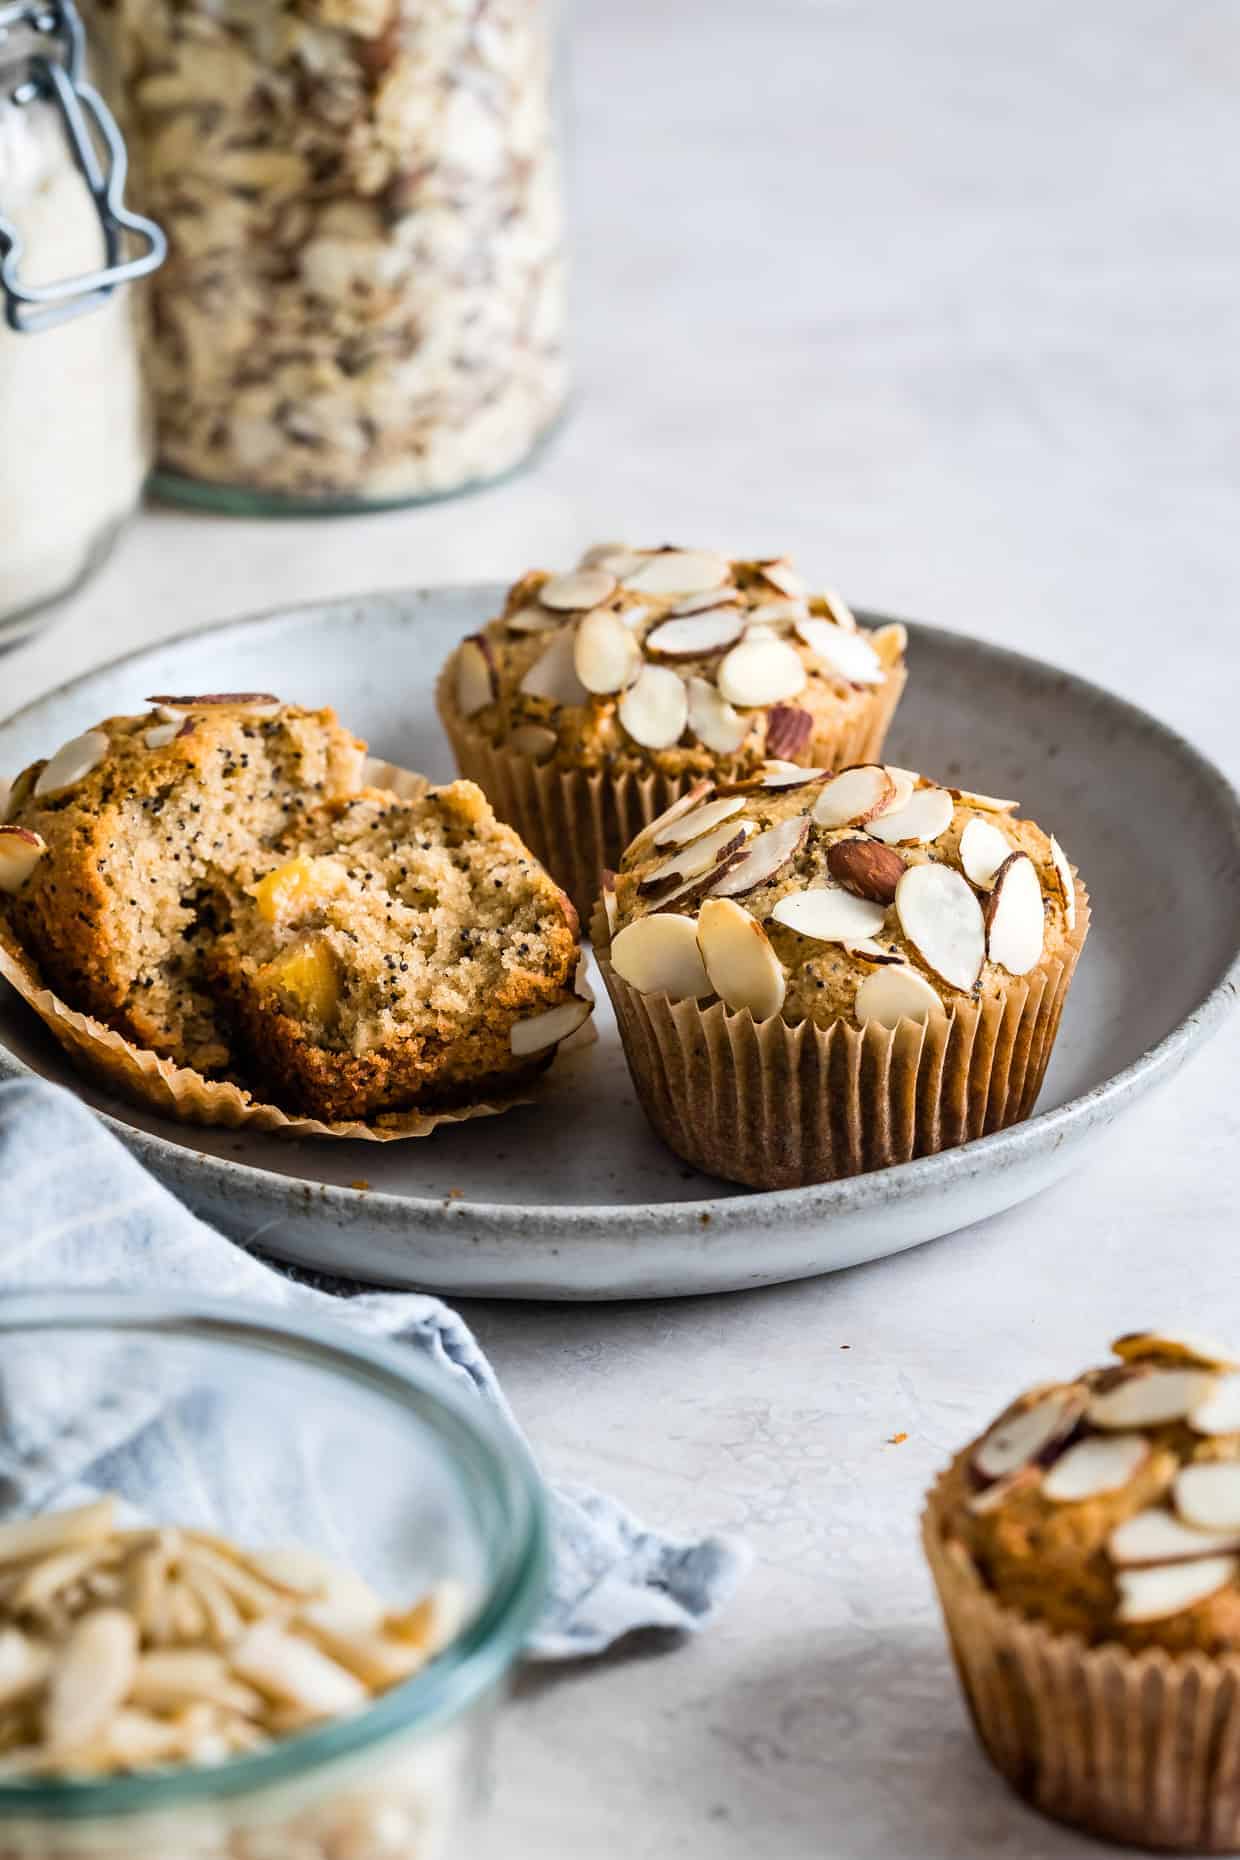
(1015, 916)
(1101, 1463)
(764, 856)
(697, 635)
(895, 993)
(655, 708)
(926, 815)
(829, 915)
(1067, 884)
(854, 796)
(1143, 1396)
(941, 917)
(744, 970)
(540, 1031)
(72, 763)
(554, 675)
(679, 571)
(1167, 1589)
(866, 869)
(659, 955)
(475, 675)
(849, 655)
(574, 593)
(1026, 1435)
(698, 820)
(1207, 1495)
(761, 670)
(698, 856)
(1158, 1536)
(20, 852)
(713, 720)
(606, 655)
(983, 849)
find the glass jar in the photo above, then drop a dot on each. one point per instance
(363, 303)
(75, 445)
(410, 1484)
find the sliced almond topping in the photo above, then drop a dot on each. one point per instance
(57, 1530)
(941, 917)
(983, 849)
(849, 655)
(1101, 1463)
(828, 915)
(744, 970)
(533, 620)
(606, 655)
(621, 562)
(1067, 884)
(763, 857)
(700, 855)
(602, 555)
(655, 709)
(90, 1677)
(989, 803)
(610, 907)
(700, 820)
(788, 730)
(6, 798)
(1173, 1346)
(1157, 1536)
(161, 734)
(659, 955)
(20, 852)
(1219, 1413)
(866, 869)
(854, 797)
(890, 642)
(533, 740)
(1144, 1396)
(697, 635)
(783, 577)
(712, 719)
(72, 763)
(1025, 1435)
(761, 670)
(704, 600)
(1170, 1588)
(775, 774)
(869, 951)
(679, 571)
(554, 675)
(904, 782)
(1015, 918)
(475, 679)
(288, 1669)
(838, 610)
(1207, 1495)
(895, 993)
(681, 805)
(573, 593)
(997, 1493)
(923, 818)
(778, 615)
(261, 703)
(540, 1031)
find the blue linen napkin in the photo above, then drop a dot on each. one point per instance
(77, 1210)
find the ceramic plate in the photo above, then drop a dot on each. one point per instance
(575, 1198)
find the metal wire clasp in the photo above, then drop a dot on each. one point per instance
(55, 72)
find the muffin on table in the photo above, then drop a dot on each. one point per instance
(598, 697)
(818, 973)
(1086, 1552)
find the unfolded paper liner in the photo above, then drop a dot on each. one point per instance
(579, 821)
(1142, 1748)
(779, 1106)
(178, 1092)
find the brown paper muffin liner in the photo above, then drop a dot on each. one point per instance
(178, 1092)
(779, 1106)
(579, 821)
(1140, 1748)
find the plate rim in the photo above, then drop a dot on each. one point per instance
(1043, 1130)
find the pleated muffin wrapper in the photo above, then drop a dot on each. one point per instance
(579, 821)
(178, 1092)
(778, 1106)
(1141, 1748)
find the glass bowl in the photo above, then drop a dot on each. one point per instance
(279, 1431)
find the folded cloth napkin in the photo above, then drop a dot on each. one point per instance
(78, 1211)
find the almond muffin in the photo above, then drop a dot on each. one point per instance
(597, 697)
(1086, 1551)
(820, 973)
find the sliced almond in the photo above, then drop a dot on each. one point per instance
(1219, 1413)
(1174, 1346)
(533, 620)
(554, 675)
(697, 635)
(983, 849)
(925, 816)
(540, 1031)
(699, 820)
(20, 852)
(24, 1665)
(601, 555)
(829, 915)
(475, 678)
(6, 798)
(171, 1678)
(890, 642)
(704, 600)
(995, 1495)
(377, 1661)
(904, 782)
(849, 655)
(1157, 1536)
(161, 734)
(764, 856)
(72, 763)
(777, 614)
(788, 730)
(700, 855)
(1025, 1435)
(1015, 917)
(90, 1677)
(869, 951)
(610, 907)
(712, 719)
(854, 797)
(42, 1580)
(1171, 1588)
(783, 577)
(1207, 1495)
(655, 709)
(679, 571)
(57, 1530)
(574, 593)
(533, 740)
(289, 1670)
(1101, 1463)
(1067, 884)
(761, 671)
(683, 803)
(988, 803)
(838, 610)
(702, 883)
(1148, 1397)
(744, 970)
(942, 919)
(437, 1619)
(659, 955)
(895, 993)
(606, 655)
(866, 869)
(776, 774)
(260, 702)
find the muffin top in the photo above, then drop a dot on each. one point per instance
(671, 659)
(1109, 1506)
(871, 894)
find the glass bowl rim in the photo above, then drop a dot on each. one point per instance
(471, 1663)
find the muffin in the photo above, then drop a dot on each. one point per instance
(598, 697)
(818, 974)
(211, 886)
(1086, 1552)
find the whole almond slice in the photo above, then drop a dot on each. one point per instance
(713, 720)
(702, 883)
(90, 1677)
(988, 803)
(776, 774)
(783, 577)
(838, 610)
(540, 1031)
(1067, 884)
(606, 655)
(699, 820)
(602, 555)
(904, 783)
(849, 655)
(854, 797)
(659, 955)
(1148, 1397)
(683, 804)
(1025, 1435)
(1167, 1589)
(829, 915)
(161, 734)
(744, 970)
(679, 571)
(554, 675)
(866, 869)
(764, 856)
(72, 763)
(983, 849)
(574, 593)
(699, 856)
(923, 819)
(942, 919)
(475, 678)
(779, 615)
(895, 993)
(1219, 1413)
(704, 600)
(1177, 1346)
(533, 620)
(655, 709)
(20, 852)
(761, 671)
(533, 740)
(1015, 916)
(697, 635)
(1101, 1463)
(1158, 1536)
(1207, 1495)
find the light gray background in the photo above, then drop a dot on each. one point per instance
(943, 299)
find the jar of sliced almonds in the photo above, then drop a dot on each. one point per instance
(281, 1630)
(363, 302)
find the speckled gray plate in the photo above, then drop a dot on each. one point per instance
(575, 1198)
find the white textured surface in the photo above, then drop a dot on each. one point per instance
(942, 299)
